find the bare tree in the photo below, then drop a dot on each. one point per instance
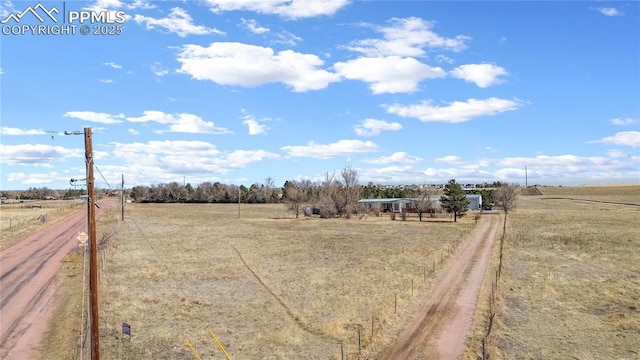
(295, 194)
(328, 197)
(424, 203)
(350, 190)
(504, 197)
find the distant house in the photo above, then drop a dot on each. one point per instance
(397, 205)
(383, 205)
(475, 201)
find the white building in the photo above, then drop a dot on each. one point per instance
(396, 205)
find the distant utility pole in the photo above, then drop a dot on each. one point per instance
(93, 248)
(526, 177)
(122, 197)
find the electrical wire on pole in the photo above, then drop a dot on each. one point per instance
(93, 249)
(93, 246)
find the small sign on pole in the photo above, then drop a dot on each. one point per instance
(82, 238)
(126, 329)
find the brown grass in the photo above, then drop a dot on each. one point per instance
(305, 285)
(620, 194)
(19, 220)
(67, 318)
(571, 288)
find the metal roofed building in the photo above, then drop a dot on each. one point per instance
(397, 205)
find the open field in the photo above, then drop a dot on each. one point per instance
(296, 288)
(621, 194)
(18, 220)
(270, 286)
(571, 285)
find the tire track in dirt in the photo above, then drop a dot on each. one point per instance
(40, 257)
(429, 335)
(301, 324)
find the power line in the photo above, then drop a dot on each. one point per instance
(102, 176)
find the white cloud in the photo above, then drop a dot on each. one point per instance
(140, 4)
(133, 131)
(625, 138)
(97, 117)
(6, 8)
(157, 161)
(158, 70)
(286, 38)
(444, 59)
(483, 75)
(391, 74)
(542, 169)
(178, 22)
(399, 157)
(4, 131)
(569, 166)
(460, 173)
(407, 37)
(231, 63)
(287, 8)
(390, 175)
(30, 154)
(106, 81)
(327, 151)
(34, 178)
(241, 158)
(617, 154)
(457, 111)
(252, 26)
(113, 65)
(608, 11)
(623, 121)
(373, 127)
(255, 127)
(154, 116)
(118, 4)
(450, 159)
(189, 123)
(183, 122)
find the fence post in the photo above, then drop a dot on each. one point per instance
(484, 353)
(372, 326)
(395, 303)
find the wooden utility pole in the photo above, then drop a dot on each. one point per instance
(122, 196)
(93, 248)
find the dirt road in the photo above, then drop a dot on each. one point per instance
(28, 284)
(441, 327)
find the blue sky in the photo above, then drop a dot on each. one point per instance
(405, 92)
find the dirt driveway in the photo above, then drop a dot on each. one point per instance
(28, 284)
(442, 324)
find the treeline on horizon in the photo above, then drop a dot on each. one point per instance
(267, 192)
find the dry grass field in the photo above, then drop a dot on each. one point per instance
(571, 285)
(19, 220)
(270, 286)
(274, 287)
